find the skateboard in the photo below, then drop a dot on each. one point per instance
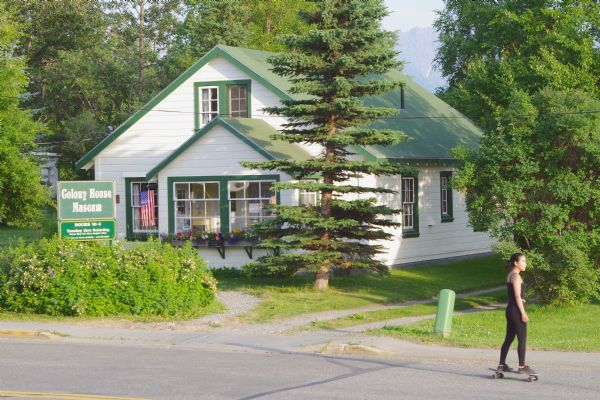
(500, 374)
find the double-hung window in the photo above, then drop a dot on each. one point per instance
(410, 225)
(197, 206)
(446, 196)
(238, 103)
(209, 104)
(248, 203)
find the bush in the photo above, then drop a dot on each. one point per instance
(59, 277)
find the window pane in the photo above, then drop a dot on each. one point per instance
(237, 208)
(196, 191)
(236, 190)
(211, 190)
(200, 224)
(238, 224)
(198, 209)
(183, 209)
(135, 194)
(212, 208)
(253, 190)
(266, 190)
(254, 207)
(181, 191)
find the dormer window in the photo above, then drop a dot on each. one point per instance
(224, 98)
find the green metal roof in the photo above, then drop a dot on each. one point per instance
(253, 132)
(433, 126)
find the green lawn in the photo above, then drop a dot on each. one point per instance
(48, 226)
(570, 328)
(410, 311)
(290, 297)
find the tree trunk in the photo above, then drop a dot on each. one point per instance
(322, 279)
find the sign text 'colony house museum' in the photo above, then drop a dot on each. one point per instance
(180, 155)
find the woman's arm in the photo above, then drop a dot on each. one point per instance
(516, 282)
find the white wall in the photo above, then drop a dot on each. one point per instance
(436, 239)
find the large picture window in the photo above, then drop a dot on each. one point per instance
(410, 226)
(248, 201)
(143, 203)
(197, 206)
(209, 104)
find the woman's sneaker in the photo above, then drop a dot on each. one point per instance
(526, 370)
(504, 368)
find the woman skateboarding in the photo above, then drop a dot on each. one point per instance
(516, 317)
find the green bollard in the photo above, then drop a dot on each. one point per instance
(443, 319)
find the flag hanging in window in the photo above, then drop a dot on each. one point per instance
(147, 208)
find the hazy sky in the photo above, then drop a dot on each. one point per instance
(407, 14)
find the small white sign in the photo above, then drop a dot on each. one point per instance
(254, 208)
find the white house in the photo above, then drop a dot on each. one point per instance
(184, 147)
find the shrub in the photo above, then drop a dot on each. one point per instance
(59, 277)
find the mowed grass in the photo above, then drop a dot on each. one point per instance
(284, 298)
(568, 328)
(408, 311)
(10, 236)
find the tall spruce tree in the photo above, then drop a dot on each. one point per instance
(332, 67)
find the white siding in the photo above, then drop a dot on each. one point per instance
(436, 239)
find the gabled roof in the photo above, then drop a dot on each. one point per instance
(253, 132)
(433, 126)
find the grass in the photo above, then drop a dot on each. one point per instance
(409, 311)
(48, 225)
(568, 328)
(284, 298)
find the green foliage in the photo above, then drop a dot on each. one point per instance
(21, 194)
(333, 66)
(88, 278)
(530, 79)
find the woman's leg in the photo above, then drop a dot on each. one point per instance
(521, 329)
(511, 332)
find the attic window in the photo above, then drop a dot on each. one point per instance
(402, 98)
(209, 104)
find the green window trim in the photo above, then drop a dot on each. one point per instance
(449, 215)
(129, 233)
(223, 194)
(223, 91)
(414, 231)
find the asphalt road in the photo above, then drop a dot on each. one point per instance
(106, 370)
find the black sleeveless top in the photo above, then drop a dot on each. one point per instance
(512, 301)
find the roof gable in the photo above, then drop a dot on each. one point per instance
(254, 132)
(218, 51)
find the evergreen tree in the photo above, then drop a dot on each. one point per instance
(332, 66)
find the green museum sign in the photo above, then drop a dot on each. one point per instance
(86, 210)
(82, 200)
(88, 230)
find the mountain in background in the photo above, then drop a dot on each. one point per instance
(418, 48)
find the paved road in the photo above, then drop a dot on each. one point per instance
(242, 370)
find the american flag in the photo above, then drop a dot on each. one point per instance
(147, 208)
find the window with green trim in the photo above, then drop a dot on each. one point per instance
(248, 203)
(197, 206)
(143, 204)
(446, 208)
(410, 207)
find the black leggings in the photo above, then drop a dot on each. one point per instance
(514, 327)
